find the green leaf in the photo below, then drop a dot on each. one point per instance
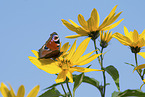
(133, 66)
(67, 95)
(129, 64)
(114, 74)
(77, 82)
(51, 93)
(91, 81)
(115, 94)
(107, 84)
(54, 85)
(134, 93)
(104, 53)
(89, 66)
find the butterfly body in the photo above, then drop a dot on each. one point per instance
(51, 49)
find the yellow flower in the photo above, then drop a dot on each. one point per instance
(91, 27)
(105, 38)
(132, 39)
(21, 91)
(65, 65)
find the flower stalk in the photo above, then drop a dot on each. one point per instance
(63, 89)
(68, 87)
(96, 50)
(102, 68)
(138, 70)
(104, 77)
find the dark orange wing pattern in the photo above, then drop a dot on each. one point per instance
(51, 48)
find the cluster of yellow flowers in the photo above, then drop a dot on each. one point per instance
(72, 58)
(21, 91)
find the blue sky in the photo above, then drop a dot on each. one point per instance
(25, 25)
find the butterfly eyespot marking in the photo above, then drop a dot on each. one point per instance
(45, 47)
(55, 38)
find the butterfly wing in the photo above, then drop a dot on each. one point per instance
(51, 48)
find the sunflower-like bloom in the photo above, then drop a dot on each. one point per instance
(91, 27)
(21, 91)
(105, 38)
(132, 39)
(66, 64)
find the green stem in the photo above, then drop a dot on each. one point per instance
(68, 87)
(96, 49)
(137, 65)
(63, 89)
(102, 68)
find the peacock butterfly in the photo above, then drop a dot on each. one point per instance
(51, 49)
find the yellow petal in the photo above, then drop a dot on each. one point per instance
(113, 25)
(21, 91)
(71, 51)
(142, 85)
(76, 25)
(142, 54)
(65, 47)
(101, 35)
(69, 26)
(40, 62)
(91, 25)
(82, 31)
(88, 60)
(69, 75)
(73, 36)
(81, 69)
(106, 35)
(139, 67)
(46, 65)
(135, 36)
(111, 20)
(4, 90)
(34, 91)
(126, 32)
(124, 40)
(109, 37)
(35, 53)
(112, 11)
(11, 91)
(96, 17)
(82, 22)
(52, 68)
(103, 24)
(61, 76)
(83, 57)
(141, 42)
(130, 36)
(142, 35)
(80, 50)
